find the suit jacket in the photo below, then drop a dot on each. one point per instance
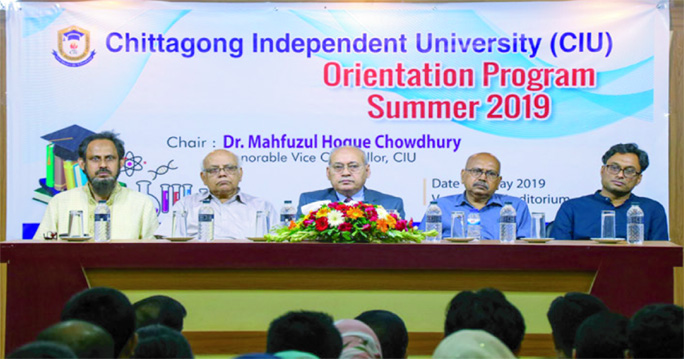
(369, 196)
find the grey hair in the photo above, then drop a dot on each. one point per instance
(363, 154)
(239, 161)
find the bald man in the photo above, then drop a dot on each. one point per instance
(347, 172)
(481, 177)
(85, 339)
(234, 211)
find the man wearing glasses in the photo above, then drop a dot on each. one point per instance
(481, 178)
(347, 171)
(234, 211)
(623, 165)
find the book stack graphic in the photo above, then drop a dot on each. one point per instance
(61, 163)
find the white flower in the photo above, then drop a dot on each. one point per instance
(335, 218)
(382, 213)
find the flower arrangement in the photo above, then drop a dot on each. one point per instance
(357, 222)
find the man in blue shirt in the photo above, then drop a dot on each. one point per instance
(623, 165)
(481, 178)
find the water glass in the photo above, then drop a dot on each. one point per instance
(538, 229)
(179, 224)
(457, 224)
(607, 224)
(261, 224)
(76, 223)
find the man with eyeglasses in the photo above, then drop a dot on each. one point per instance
(623, 165)
(101, 156)
(348, 171)
(234, 211)
(481, 178)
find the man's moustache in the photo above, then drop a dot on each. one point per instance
(481, 183)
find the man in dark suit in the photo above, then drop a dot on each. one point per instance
(347, 171)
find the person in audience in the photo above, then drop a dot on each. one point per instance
(623, 166)
(42, 350)
(390, 329)
(348, 171)
(101, 156)
(489, 310)
(602, 335)
(472, 344)
(160, 341)
(481, 177)
(655, 331)
(306, 331)
(234, 211)
(565, 315)
(111, 310)
(159, 309)
(358, 340)
(86, 340)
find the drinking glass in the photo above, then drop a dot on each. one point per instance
(179, 223)
(538, 229)
(607, 224)
(76, 223)
(457, 224)
(261, 224)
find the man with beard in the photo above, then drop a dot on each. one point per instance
(100, 156)
(623, 165)
(481, 178)
(234, 210)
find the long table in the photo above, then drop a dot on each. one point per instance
(43, 275)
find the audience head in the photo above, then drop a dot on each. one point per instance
(390, 329)
(159, 309)
(311, 332)
(358, 340)
(655, 331)
(565, 315)
(472, 344)
(111, 310)
(42, 349)
(86, 340)
(486, 309)
(602, 335)
(160, 341)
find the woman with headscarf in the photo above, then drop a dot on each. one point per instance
(358, 340)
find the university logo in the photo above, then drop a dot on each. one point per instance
(74, 47)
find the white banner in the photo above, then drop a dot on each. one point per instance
(547, 87)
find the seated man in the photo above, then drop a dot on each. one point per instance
(159, 309)
(566, 314)
(623, 165)
(656, 331)
(101, 156)
(86, 340)
(603, 335)
(234, 211)
(347, 171)
(390, 329)
(481, 178)
(305, 331)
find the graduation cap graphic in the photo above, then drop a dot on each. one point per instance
(66, 141)
(74, 35)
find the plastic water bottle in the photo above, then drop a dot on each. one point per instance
(206, 222)
(103, 222)
(635, 224)
(433, 220)
(474, 227)
(287, 213)
(507, 226)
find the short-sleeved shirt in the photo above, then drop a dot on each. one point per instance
(233, 219)
(133, 214)
(580, 218)
(489, 214)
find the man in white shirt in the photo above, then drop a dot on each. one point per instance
(234, 211)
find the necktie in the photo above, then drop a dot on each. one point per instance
(347, 200)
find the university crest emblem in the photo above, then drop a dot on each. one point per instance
(73, 45)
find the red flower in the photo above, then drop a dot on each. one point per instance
(401, 225)
(322, 224)
(410, 224)
(345, 227)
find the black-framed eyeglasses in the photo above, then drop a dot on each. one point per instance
(229, 169)
(477, 172)
(628, 172)
(353, 167)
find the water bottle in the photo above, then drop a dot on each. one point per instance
(474, 227)
(433, 220)
(507, 230)
(287, 213)
(103, 222)
(635, 224)
(206, 222)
